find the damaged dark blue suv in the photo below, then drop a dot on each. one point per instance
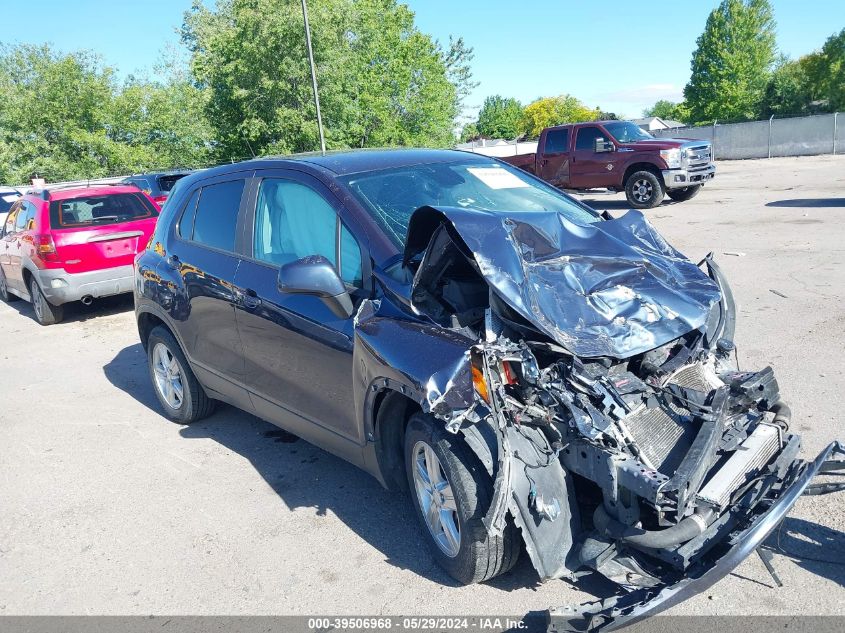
(530, 370)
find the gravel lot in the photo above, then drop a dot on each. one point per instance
(108, 508)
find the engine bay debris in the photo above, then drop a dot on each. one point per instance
(600, 391)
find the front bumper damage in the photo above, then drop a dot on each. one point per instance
(598, 391)
(620, 611)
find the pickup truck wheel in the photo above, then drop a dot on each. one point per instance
(177, 388)
(5, 295)
(45, 312)
(682, 195)
(451, 493)
(644, 190)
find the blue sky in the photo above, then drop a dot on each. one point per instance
(621, 57)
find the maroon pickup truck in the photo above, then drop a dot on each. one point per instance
(618, 155)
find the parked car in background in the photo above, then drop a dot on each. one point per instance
(528, 369)
(8, 196)
(73, 244)
(157, 185)
(620, 156)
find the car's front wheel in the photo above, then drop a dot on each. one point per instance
(644, 190)
(45, 312)
(177, 388)
(451, 493)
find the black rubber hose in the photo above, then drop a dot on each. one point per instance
(684, 531)
(783, 414)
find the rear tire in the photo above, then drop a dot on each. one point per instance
(5, 295)
(45, 312)
(178, 391)
(468, 490)
(682, 195)
(644, 190)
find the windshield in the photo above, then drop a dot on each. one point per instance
(627, 132)
(100, 210)
(392, 195)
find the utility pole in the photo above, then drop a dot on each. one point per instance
(313, 76)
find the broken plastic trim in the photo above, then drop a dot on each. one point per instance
(620, 611)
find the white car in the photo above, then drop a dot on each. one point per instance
(8, 195)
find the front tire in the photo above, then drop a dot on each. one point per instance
(684, 194)
(176, 387)
(644, 190)
(451, 492)
(45, 312)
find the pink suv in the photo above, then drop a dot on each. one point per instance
(73, 244)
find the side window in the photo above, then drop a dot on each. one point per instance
(586, 138)
(186, 221)
(557, 141)
(217, 215)
(293, 221)
(10, 220)
(26, 214)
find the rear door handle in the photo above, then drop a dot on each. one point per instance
(249, 299)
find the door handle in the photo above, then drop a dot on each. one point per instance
(174, 261)
(249, 299)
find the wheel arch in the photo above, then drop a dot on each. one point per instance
(391, 409)
(641, 166)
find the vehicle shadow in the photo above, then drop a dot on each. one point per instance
(304, 476)
(812, 546)
(76, 312)
(823, 203)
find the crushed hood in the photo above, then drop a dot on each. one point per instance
(611, 288)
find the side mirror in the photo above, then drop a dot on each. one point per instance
(315, 275)
(603, 146)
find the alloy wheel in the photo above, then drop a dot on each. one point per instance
(643, 190)
(168, 376)
(37, 299)
(436, 499)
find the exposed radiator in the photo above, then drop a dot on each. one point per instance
(662, 435)
(752, 455)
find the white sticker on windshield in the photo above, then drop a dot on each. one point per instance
(497, 177)
(11, 198)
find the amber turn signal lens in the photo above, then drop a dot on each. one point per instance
(480, 384)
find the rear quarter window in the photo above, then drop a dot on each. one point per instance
(216, 215)
(100, 210)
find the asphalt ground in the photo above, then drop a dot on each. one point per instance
(108, 508)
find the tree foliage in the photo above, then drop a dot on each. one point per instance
(828, 73)
(381, 81)
(548, 111)
(64, 116)
(731, 64)
(500, 117)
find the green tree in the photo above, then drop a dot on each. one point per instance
(829, 72)
(730, 66)
(668, 110)
(663, 108)
(63, 116)
(469, 132)
(381, 81)
(499, 117)
(548, 111)
(788, 91)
